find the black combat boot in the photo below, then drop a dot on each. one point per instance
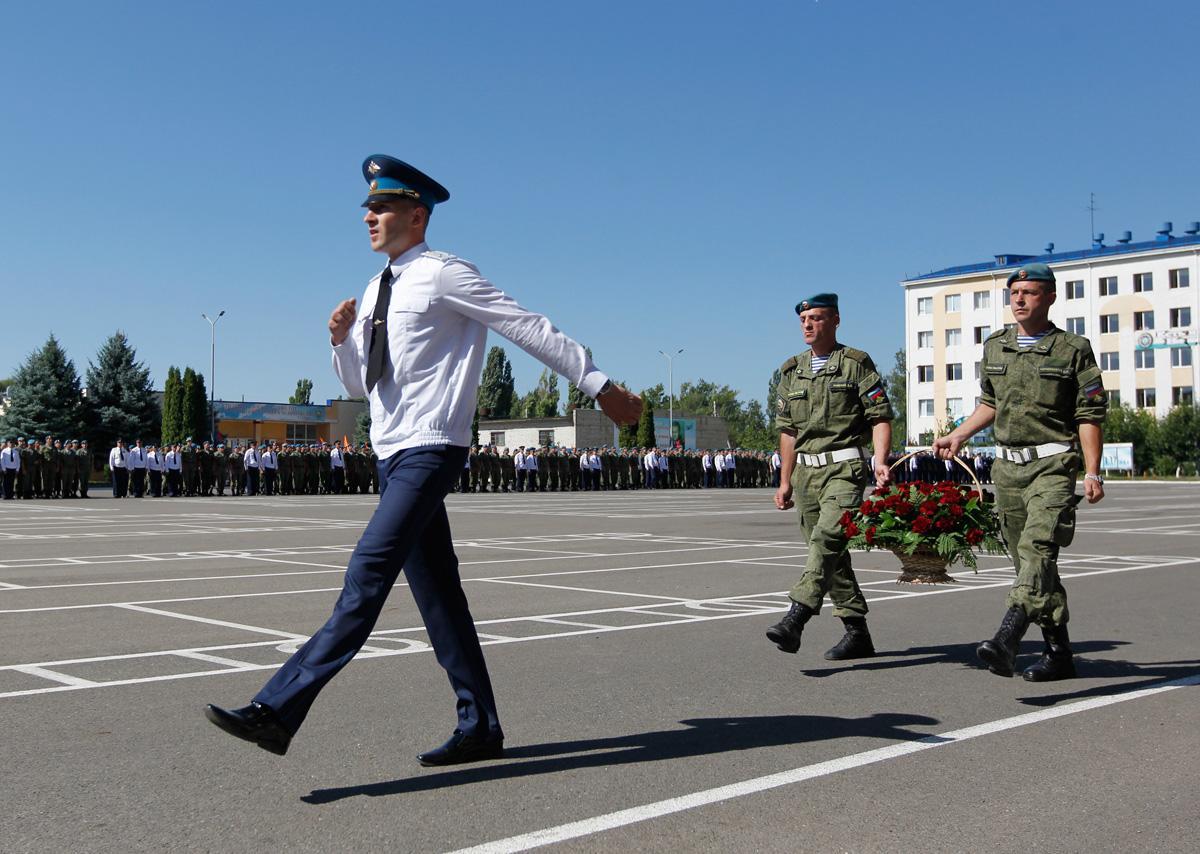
(786, 633)
(1000, 653)
(856, 643)
(1056, 661)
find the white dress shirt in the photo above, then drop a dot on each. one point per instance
(137, 458)
(118, 459)
(269, 461)
(336, 461)
(154, 461)
(438, 318)
(173, 461)
(10, 459)
(250, 458)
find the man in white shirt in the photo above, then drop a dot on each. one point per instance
(174, 469)
(416, 353)
(251, 461)
(137, 468)
(268, 462)
(155, 466)
(10, 465)
(337, 470)
(118, 465)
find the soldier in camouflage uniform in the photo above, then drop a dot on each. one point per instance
(831, 404)
(237, 471)
(1043, 390)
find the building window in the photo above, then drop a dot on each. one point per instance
(302, 434)
(953, 303)
(1075, 290)
(981, 333)
(1181, 357)
(954, 407)
(1110, 361)
(983, 299)
(1114, 397)
(925, 408)
(1108, 286)
(1143, 359)
(1005, 296)
(1146, 398)
(978, 370)
(1109, 323)
(924, 340)
(954, 371)
(1181, 395)
(545, 438)
(498, 438)
(1181, 317)
(1076, 325)
(924, 305)
(953, 337)
(1178, 278)
(924, 373)
(1143, 320)
(1143, 282)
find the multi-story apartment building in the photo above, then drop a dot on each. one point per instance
(1136, 302)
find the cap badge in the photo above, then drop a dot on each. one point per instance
(1023, 274)
(373, 167)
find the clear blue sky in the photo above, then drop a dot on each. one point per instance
(650, 175)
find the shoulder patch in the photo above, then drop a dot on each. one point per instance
(856, 355)
(788, 365)
(996, 335)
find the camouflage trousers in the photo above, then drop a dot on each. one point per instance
(822, 495)
(1037, 504)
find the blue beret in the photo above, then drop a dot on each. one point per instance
(388, 179)
(1033, 273)
(818, 301)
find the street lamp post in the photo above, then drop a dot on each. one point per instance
(670, 357)
(212, 373)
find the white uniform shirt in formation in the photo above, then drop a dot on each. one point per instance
(719, 461)
(250, 458)
(137, 458)
(154, 461)
(336, 461)
(519, 461)
(706, 461)
(174, 463)
(438, 318)
(650, 461)
(10, 460)
(269, 460)
(118, 459)
(776, 461)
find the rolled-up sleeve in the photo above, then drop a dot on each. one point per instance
(473, 296)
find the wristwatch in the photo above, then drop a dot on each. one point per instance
(1094, 477)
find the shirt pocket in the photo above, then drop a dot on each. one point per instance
(800, 404)
(842, 398)
(1056, 384)
(408, 328)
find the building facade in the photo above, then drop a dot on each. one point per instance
(1135, 302)
(591, 428)
(244, 423)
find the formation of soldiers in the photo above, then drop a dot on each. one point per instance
(931, 469)
(50, 468)
(556, 469)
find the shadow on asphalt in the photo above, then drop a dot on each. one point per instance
(1149, 674)
(961, 653)
(703, 737)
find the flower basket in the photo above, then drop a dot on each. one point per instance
(928, 526)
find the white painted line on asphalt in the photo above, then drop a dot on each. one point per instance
(55, 676)
(570, 623)
(208, 620)
(669, 806)
(217, 659)
(585, 590)
(6, 586)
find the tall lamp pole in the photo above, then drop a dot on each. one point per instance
(670, 357)
(212, 373)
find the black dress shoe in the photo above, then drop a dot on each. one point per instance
(464, 748)
(255, 722)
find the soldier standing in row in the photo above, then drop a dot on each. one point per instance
(831, 403)
(1042, 389)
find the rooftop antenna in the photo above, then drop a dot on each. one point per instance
(1092, 210)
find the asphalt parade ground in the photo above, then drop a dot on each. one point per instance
(642, 705)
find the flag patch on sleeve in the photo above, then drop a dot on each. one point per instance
(877, 393)
(1094, 391)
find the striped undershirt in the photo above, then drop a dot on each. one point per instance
(818, 362)
(1024, 341)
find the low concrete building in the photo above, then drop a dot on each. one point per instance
(591, 428)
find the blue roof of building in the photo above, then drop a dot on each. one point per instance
(1010, 261)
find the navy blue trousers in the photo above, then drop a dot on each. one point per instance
(411, 531)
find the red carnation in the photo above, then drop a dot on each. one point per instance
(866, 508)
(921, 524)
(972, 494)
(928, 508)
(944, 524)
(852, 530)
(870, 536)
(846, 519)
(880, 490)
(951, 497)
(956, 511)
(974, 536)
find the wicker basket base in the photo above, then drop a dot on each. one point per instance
(923, 567)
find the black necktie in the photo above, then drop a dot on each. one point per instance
(377, 354)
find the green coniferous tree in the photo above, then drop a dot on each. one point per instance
(45, 397)
(203, 427)
(362, 427)
(496, 393)
(120, 396)
(172, 407)
(194, 407)
(645, 427)
(303, 393)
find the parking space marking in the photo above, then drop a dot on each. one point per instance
(210, 621)
(669, 806)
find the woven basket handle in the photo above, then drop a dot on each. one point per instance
(956, 458)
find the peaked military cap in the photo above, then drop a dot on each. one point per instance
(389, 179)
(1032, 273)
(818, 301)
